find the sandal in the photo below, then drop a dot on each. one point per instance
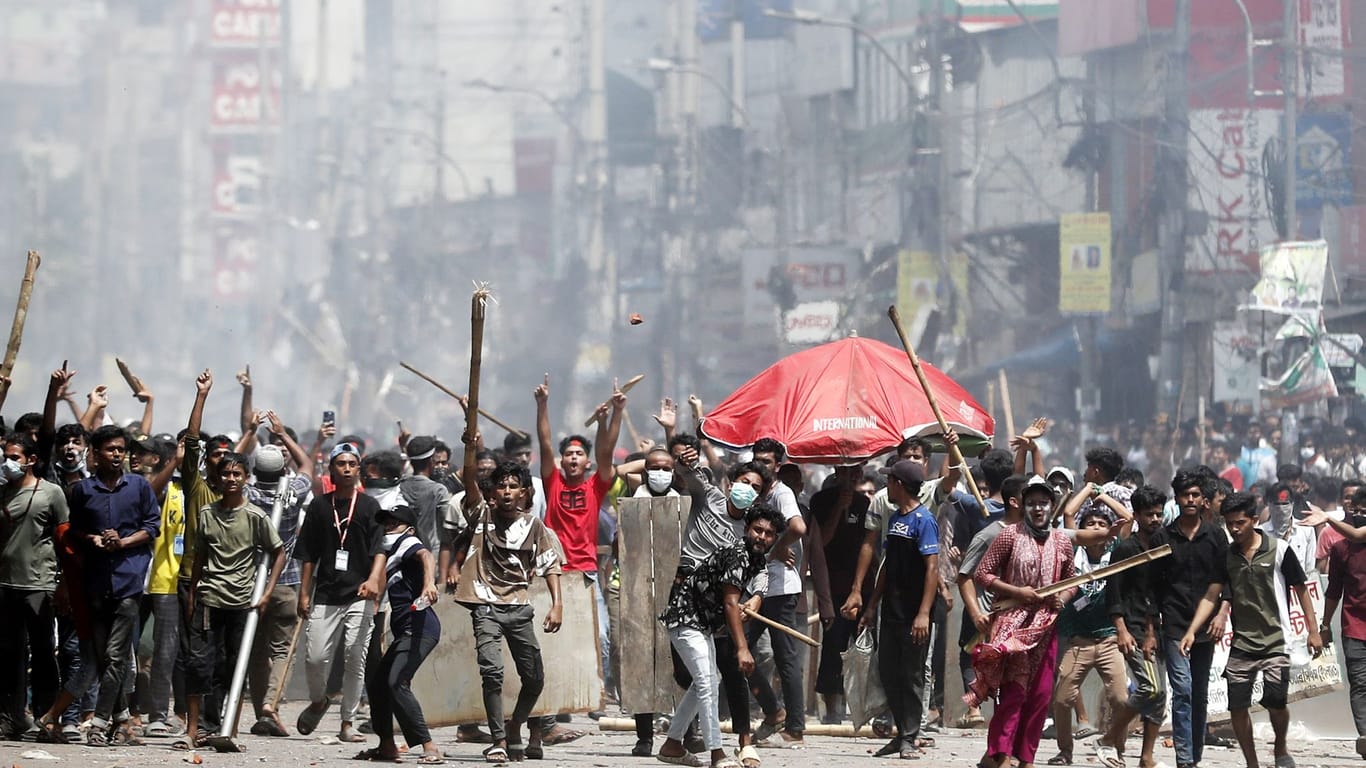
(50, 732)
(922, 742)
(748, 756)
(535, 752)
(374, 754)
(96, 737)
(1084, 732)
(183, 744)
(558, 736)
(726, 762)
(349, 736)
(1062, 758)
(892, 747)
(496, 754)
(967, 720)
(687, 759)
(269, 725)
(427, 759)
(311, 716)
(1109, 756)
(911, 753)
(472, 734)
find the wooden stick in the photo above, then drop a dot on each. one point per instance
(991, 405)
(631, 382)
(780, 627)
(134, 383)
(477, 304)
(460, 399)
(16, 331)
(289, 662)
(955, 455)
(1005, 403)
(1146, 556)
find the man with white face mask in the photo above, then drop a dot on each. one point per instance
(660, 479)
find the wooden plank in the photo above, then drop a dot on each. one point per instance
(637, 617)
(449, 687)
(668, 516)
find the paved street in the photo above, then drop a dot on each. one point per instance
(955, 748)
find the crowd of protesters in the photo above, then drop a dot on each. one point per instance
(131, 560)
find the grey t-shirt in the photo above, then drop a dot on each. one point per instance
(972, 557)
(28, 559)
(428, 499)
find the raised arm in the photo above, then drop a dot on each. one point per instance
(667, 418)
(609, 430)
(247, 413)
(145, 397)
(301, 457)
(202, 384)
(247, 442)
(97, 400)
(56, 385)
(474, 496)
(542, 395)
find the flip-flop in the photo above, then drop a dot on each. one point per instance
(1062, 758)
(564, 736)
(183, 744)
(748, 756)
(496, 754)
(890, 748)
(687, 759)
(911, 753)
(310, 717)
(374, 755)
(351, 738)
(474, 735)
(1084, 732)
(726, 762)
(427, 759)
(922, 742)
(966, 721)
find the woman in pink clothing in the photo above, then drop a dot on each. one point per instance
(1016, 663)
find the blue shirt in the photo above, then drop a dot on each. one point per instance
(912, 537)
(128, 507)
(970, 520)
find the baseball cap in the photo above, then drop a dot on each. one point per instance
(401, 513)
(421, 447)
(341, 448)
(1036, 482)
(1066, 474)
(270, 460)
(907, 472)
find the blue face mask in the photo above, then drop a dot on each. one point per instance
(742, 495)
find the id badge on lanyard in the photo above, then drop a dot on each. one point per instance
(342, 558)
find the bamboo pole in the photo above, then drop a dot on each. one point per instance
(780, 627)
(289, 662)
(1146, 556)
(955, 455)
(991, 406)
(477, 304)
(460, 399)
(16, 331)
(1005, 403)
(631, 382)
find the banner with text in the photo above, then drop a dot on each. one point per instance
(1084, 263)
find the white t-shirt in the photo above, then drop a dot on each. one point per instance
(781, 579)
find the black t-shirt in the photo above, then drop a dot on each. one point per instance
(912, 537)
(321, 537)
(841, 554)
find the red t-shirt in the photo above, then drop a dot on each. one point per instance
(1233, 476)
(571, 511)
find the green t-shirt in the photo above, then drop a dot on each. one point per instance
(28, 522)
(229, 540)
(198, 495)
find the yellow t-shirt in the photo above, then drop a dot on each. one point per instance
(170, 544)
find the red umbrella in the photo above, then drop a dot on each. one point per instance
(844, 402)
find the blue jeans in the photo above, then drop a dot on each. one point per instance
(1188, 681)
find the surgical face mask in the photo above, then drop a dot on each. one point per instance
(659, 480)
(742, 495)
(390, 539)
(1307, 452)
(11, 470)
